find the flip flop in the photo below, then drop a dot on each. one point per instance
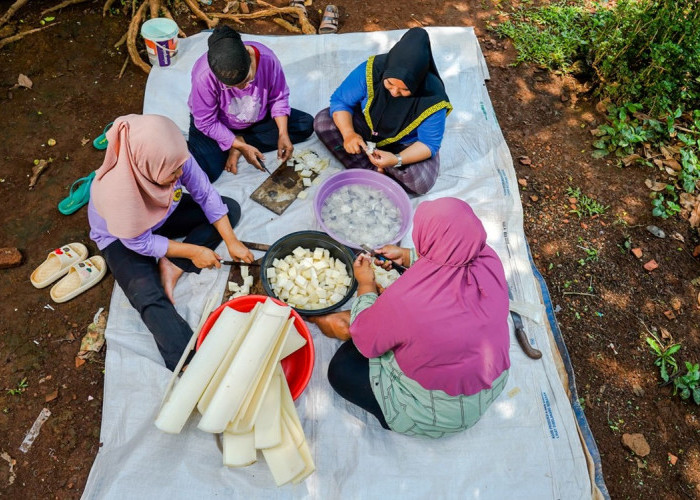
(101, 141)
(299, 4)
(329, 22)
(57, 264)
(78, 195)
(80, 277)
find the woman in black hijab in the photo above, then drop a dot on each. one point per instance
(389, 115)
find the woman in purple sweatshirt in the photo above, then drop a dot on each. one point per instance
(239, 105)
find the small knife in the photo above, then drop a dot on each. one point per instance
(399, 268)
(262, 164)
(520, 334)
(236, 263)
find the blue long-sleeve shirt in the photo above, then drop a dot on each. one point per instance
(352, 93)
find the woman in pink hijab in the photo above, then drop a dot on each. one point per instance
(137, 207)
(430, 354)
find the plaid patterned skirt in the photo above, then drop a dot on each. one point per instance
(416, 178)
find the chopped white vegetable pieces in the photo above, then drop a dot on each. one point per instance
(361, 214)
(383, 277)
(309, 279)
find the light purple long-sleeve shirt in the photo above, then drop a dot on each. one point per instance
(153, 245)
(217, 109)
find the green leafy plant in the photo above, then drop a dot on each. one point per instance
(664, 357)
(585, 205)
(21, 387)
(689, 383)
(591, 252)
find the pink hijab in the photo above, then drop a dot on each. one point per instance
(446, 318)
(143, 150)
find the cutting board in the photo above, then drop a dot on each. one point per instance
(280, 190)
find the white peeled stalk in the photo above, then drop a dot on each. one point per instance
(268, 430)
(294, 342)
(208, 308)
(176, 410)
(291, 417)
(284, 460)
(226, 362)
(240, 376)
(239, 449)
(245, 418)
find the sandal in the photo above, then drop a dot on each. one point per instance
(299, 4)
(100, 141)
(329, 22)
(80, 277)
(78, 195)
(57, 264)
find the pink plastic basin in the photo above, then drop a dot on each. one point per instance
(372, 179)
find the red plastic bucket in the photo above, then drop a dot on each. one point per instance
(298, 366)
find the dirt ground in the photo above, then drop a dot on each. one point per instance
(606, 307)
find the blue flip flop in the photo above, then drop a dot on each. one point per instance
(78, 195)
(100, 141)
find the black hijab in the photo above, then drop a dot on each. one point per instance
(228, 58)
(411, 61)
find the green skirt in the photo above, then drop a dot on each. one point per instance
(410, 409)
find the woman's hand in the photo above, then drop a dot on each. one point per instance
(364, 274)
(395, 253)
(240, 252)
(382, 159)
(285, 148)
(203, 257)
(251, 154)
(354, 143)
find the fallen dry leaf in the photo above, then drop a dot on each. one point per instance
(673, 164)
(36, 172)
(666, 152)
(655, 186)
(522, 182)
(678, 237)
(629, 160)
(534, 197)
(669, 314)
(665, 334)
(51, 396)
(671, 172)
(696, 251)
(24, 81)
(676, 304)
(651, 265)
(79, 362)
(687, 201)
(524, 160)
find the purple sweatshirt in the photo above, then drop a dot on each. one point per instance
(217, 108)
(153, 245)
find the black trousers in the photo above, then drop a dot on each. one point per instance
(348, 374)
(139, 277)
(262, 135)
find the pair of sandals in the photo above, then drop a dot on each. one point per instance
(329, 21)
(77, 272)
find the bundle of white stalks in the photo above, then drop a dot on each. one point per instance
(244, 289)
(309, 279)
(236, 382)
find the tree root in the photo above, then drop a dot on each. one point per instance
(61, 5)
(155, 8)
(11, 11)
(167, 14)
(306, 26)
(121, 41)
(131, 37)
(106, 7)
(286, 25)
(19, 36)
(126, 62)
(201, 15)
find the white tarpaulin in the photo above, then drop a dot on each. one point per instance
(526, 446)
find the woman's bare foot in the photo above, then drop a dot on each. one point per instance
(169, 274)
(334, 325)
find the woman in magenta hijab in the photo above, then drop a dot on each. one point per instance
(138, 208)
(430, 354)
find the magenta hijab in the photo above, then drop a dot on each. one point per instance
(446, 318)
(142, 151)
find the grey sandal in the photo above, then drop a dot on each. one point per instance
(329, 22)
